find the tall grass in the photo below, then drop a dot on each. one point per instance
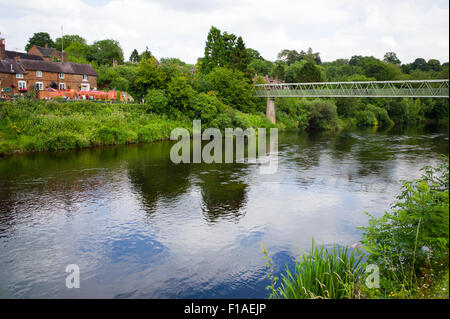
(44, 125)
(321, 273)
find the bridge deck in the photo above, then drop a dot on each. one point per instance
(412, 88)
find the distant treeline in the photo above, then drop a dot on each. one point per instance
(222, 81)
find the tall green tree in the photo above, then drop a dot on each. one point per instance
(231, 86)
(134, 57)
(78, 52)
(104, 51)
(148, 76)
(40, 39)
(391, 57)
(279, 70)
(241, 57)
(290, 56)
(147, 54)
(225, 50)
(67, 40)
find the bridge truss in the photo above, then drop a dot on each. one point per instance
(411, 88)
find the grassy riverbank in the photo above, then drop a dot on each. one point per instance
(408, 247)
(43, 126)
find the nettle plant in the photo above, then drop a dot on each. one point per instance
(413, 237)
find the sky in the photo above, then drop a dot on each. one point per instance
(177, 28)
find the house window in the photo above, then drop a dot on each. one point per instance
(62, 86)
(38, 74)
(19, 76)
(61, 75)
(22, 85)
(40, 86)
(85, 77)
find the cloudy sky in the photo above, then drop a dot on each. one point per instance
(178, 28)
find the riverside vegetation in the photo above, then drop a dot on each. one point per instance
(409, 244)
(217, 89)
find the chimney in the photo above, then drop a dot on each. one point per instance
(46, 46)
(2, 49)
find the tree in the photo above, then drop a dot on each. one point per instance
(279, 70)
(261, 67)
(420, 64)
(254, 54)
(293, 71)
(241, 57)
(231, 86)
(225, 50)
(391, 57)
(312, 57)
(434, 65)
(40, 39)
(156, 101)
(68, 40)
(78, 51)
(179, 93)
(104, 51)
(148, 76)
(303, 72)
(289, 56)
(134, 57)
(355, 60)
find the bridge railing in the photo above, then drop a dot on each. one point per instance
(411, 88)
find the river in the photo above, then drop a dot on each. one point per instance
(139, 226)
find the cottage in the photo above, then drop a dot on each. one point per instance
(21, 72)
(47, 54)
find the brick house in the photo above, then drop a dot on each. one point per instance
(21, 72)
(48, 54)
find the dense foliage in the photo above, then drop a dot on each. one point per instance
(222, 82)
(409, 245)
(412, 240)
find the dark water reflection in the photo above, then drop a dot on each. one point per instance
(140, 226)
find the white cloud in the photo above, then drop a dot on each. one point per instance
(336, 29)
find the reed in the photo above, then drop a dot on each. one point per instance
(321, 273)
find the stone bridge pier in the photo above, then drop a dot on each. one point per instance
(270, 109)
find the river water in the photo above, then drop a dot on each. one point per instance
(139, 226)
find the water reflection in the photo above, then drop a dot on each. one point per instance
(140, 226)
(223, 189)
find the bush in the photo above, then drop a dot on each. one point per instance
(205, 106)
(322, 114)
(156, 101)
(381, 115)
(231, 86)
(366, 118)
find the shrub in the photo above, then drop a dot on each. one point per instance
(231, 86)
(414, 236)
(366, 118)
(204, 106)
(322, 114)
(381, 115)
(222, 121)
(64, 140)
(156, 101)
